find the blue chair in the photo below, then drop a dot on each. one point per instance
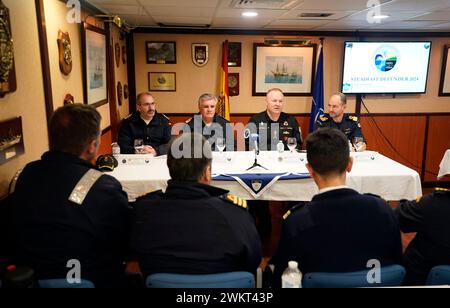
(390, 276)
(221, 280)
(63, 284)
(439, 275)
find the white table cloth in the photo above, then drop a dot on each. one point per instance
(372, 173)
(444, 166)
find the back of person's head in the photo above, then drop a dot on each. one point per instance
(188, 157)
(73, 128)
(328, 152)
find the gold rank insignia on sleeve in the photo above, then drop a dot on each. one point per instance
(323, 118)
(353, 118)
(442, 189)
(286, 215)
(237, 201)
(418, 199)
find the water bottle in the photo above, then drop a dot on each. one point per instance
(350, 146)
(292, 277)
(115, 150)
(280, 147)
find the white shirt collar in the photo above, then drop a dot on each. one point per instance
(324, 190)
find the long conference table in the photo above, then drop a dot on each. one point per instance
(286, 177)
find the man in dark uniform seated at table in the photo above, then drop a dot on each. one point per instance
(429, 217)
(347, 124)
(211, 125)
(63, 209)
(272, 125)
(340, 230)
(147, 124)
(193, 228)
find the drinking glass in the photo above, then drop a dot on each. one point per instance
(138, 146)
(291, 143)
(357, 143)
(220, 144)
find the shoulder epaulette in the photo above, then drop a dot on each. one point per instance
(235, 200)
(84, 185)
(148, 194)
(12, 184)
(129, 116)
(166, 117)
(293, 209)
(353, 118)
(323, 118)
(188, 121)
(441, 190)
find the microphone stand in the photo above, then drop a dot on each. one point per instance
(255, 163)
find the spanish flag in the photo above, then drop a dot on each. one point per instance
(223, 107)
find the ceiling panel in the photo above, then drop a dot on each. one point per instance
(122, 9)
(183, 20)
(232, 13)
(170, 11)
(240, 23)
(299, 24)
(180, 3)
(416, 5)
(335, 14)
(337, 5)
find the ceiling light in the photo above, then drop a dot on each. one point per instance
(249, 14)
(381, 16)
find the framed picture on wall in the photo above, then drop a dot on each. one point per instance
(94, 65)
(161, 81)
(288, 67)
(234, 54)
(161, 52)
(444, 87)
(11, 139)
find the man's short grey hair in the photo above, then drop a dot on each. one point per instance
(206, 97)
(138, 98)
(342, 97)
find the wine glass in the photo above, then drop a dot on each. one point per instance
(138, 146)
(357, 143)
(220, 144)
(291, 143)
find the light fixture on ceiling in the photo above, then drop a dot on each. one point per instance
(250, 14)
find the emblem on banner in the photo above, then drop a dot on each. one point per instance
(256, 185)
(200, 54)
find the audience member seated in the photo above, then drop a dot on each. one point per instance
(68, 218)
(429, 217)
(147, 125)
(211, 125)
(340, 230)
(193, 228)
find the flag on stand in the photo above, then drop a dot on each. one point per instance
(223, 106)
(318, 99)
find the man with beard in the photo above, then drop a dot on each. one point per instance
(146, 124)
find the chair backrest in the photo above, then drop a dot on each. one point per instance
(221, 280)
(439, 275)
(64, 284)
(390, 276)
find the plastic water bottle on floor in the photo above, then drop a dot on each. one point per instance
(292, 277)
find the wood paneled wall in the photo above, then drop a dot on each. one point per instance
(406, 138)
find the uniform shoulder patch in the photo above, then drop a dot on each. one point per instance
(323, 118)
(293, 209)
(188, 121)
(84, 185)
(149, 194)
(440, 190)
(353, 118)
(239, 202)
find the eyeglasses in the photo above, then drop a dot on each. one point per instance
(147, 104)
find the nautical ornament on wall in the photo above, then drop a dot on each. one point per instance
(200, 54)
(65, 52)
(117, 53)
(119, 93)
(7, 70)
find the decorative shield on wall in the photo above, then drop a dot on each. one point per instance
(7, 70)
(125, 91)
(119, 93)
(124, 55)
(200, 54)
(117, 53)
(65, 52)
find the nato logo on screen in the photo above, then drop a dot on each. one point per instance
(386, 58)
